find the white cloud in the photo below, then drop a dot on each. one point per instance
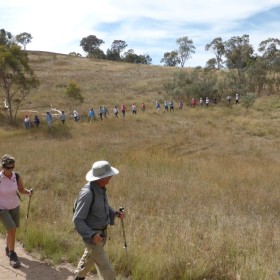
(149, 26)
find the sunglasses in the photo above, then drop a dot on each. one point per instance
(9, 167)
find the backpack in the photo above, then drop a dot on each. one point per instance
(92, 202)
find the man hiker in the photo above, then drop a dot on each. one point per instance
(92, 215)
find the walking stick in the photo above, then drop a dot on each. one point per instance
(129, 272)
(124, 238)
(26, 218)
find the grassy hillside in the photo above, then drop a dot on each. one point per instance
(102, 82)
(200, 186)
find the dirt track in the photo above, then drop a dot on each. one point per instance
(32, 268)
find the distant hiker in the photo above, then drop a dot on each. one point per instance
(236, 98)
(133, 109)
(91, 115)
(171, 105)
(49, 119)
(157, 106)
(10, 183)
(36, 121)
(92, 216)
(207, 101)
(143, 107)
(123, 109)
(165, 104)
(26, 121)
(229, 99)
(193, 102)
(62, 117)
(180, 105)
(116, 111)
(201, 102)
(100, 111)
(215, 100)
(76, 116)
(105, 111)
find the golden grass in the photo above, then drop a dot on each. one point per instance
(200, 186)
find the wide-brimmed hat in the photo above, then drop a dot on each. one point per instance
(7, 159)
(101, 169)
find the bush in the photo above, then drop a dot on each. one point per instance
(249, 99)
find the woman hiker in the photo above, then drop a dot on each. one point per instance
(10, 183)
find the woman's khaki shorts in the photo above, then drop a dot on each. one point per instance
(10, 218)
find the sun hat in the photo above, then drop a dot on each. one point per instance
(7, 159)
(101, 169)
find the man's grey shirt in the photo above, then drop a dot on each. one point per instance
(101, 214)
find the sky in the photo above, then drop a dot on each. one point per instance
(147, 26)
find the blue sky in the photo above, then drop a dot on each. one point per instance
(148, 27)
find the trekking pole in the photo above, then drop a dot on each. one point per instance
(27, 215)
(124, 238)
(129, 272)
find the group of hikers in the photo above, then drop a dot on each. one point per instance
(207, 101)
(49, 119)
(92, 215)
(102, 112)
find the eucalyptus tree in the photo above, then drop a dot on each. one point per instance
(6, 38)
(117, 47)
(75, 54)
(24, 39)
(90, 44)
(17, 79)
(217, 47)
(97, 53)
(257, 76)
(145, 59)
(270, 50)
(186, 48)
(238, 52)
(212, 63)
(170, 59)
(132, 57)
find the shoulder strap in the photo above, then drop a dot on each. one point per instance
(93, 196)
(17, 178)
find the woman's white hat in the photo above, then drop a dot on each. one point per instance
(101, 169)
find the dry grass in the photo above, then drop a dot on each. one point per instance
(200, 186)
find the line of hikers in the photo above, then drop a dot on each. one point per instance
(103, 112)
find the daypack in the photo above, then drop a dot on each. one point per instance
(92, 202)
